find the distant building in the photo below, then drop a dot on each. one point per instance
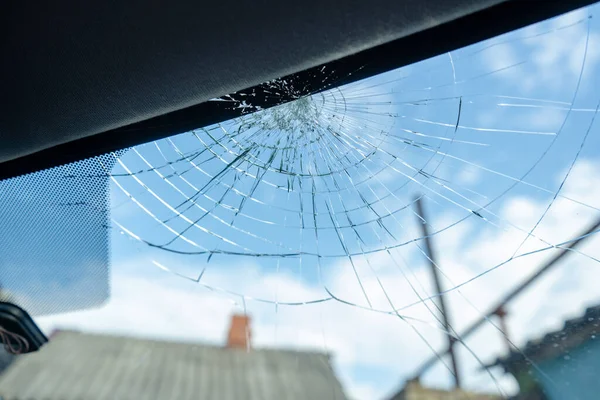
(413, 390)
(562, 365)
(76, 365)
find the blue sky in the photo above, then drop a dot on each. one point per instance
(526, 102)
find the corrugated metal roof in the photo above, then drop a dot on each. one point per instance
(575, 332)
(89, 366)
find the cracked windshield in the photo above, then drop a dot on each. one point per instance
(425, 233)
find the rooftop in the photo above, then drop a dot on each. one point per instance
(76, 365)
(575, 332)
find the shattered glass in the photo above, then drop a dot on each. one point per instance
(498, 142)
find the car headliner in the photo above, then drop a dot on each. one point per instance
(80, 79)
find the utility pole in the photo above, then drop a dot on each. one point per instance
(501, 314)
(563, 252)
(438, 288)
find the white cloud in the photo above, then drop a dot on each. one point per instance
(553, 51)
(502, 56)
(149, 302)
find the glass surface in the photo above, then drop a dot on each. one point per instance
(304, 217)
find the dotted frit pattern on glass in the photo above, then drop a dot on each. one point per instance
(55, 247)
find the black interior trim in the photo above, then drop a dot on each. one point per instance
(16, 320)
(470, 29)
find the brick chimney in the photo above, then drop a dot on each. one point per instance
(239, 333)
